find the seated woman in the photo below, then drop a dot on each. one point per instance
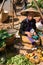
(28, 28)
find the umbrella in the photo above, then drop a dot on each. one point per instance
(31, 11)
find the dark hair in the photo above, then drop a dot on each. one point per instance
(27, 13)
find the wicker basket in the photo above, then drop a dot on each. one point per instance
(3, 16)
(10, 41)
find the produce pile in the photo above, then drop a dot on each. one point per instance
(18, 60)
(28, 59)
(3, 36)
(36, 56)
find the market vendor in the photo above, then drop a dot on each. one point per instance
(28, 28)
(39, 26)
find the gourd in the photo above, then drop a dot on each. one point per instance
(42, 53)
(39, 51)
(36, 59)
(41, 59)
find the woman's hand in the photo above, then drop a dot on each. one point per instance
(35, 33)
(28, 34)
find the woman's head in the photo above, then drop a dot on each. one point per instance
(38, 19)
(30, 16)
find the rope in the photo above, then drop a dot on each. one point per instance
(2, 5)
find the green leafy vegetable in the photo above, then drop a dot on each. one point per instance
(19, 60)
(3, 36)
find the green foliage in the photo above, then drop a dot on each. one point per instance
(39, 2)
(18, 60)
(3, 36)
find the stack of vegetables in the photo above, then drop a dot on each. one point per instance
(3, 35)
(36, 56)
(18, 60)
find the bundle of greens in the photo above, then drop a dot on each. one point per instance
(18, 60)
(3, 36)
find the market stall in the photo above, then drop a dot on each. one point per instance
(17, 52)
